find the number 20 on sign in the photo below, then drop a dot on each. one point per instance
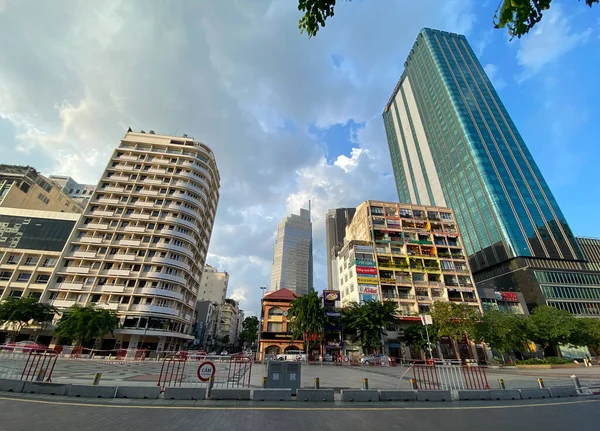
(206, 370)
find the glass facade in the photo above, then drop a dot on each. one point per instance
(502, 203)
(31, 233)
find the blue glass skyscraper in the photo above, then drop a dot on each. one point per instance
(452, 143)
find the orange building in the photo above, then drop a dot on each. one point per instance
(274, 336)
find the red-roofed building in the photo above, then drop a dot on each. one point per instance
(274, 337)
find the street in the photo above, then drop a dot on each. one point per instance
(50, 413)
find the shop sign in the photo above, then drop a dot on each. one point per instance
(363, 248)
(331, 295)
(360, 262)
(369, 290)
(333, 314)
(365, 270)
(367, 280)
(275, 336)
(509, 296)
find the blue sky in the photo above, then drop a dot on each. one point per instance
(289, 118)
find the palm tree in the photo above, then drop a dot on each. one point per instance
(369, 320)
(307, 318)
(83, 324)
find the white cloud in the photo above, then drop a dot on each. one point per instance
(548, 41)
(233, 75)
(492, 72)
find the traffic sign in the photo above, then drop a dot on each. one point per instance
(206, 370)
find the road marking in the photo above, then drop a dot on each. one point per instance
(328, 409)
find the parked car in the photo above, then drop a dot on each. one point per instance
(375, 358)
(292, 355)
(326, 358)
(224, 353)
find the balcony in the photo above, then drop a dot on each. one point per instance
(113, 288)
(70, 286)
(90, 239)
(102, 213)
(118, 272)
(108, 201)
(135, 229)
(108, 305)
(119, 178)
(147, 308)
(144, 204)
(406, 298)
(423, 298)
(152, 181)
(139, 216)
(123, 256)
(165, 276)
(114, 189)
(77, 269)
(162, 292)
(148, 192)
(63, 303)
(129, 242)
(96, 226)
(85, 254)
(171, 262)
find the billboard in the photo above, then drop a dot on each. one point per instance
(363, 248)
(359, 262)
(367, 280)
(366, 270)
(369, 290)
(331, 295)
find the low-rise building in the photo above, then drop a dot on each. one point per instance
(274, 336)
(25, 188)
(31, 244)
(227, 322)
(78, 192)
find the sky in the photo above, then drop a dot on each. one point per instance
(289, 118)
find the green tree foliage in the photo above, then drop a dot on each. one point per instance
(23, 311)
(520, 16)
(549, 326)
(455, 320)
(225, 340)
(249, 332)
(84, 324)
(503, 331)
(587, 333)
(306, 317)
(369, 320)
(415, 336)
(517, 16)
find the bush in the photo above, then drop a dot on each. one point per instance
(546, 361)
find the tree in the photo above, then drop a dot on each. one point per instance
(587, 333)
(549, 327)
(369, 320)
(415, 336)
(23, 311)
(84, 324)
(307, 318)
(454, 320)
(249, 332)
(225, 340)
(503, 331)
(518, 16)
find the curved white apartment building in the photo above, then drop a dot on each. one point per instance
(141, 245)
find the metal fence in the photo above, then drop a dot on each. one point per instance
(450, 377)
(183, 371)
(23, 363)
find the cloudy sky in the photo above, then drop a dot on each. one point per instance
(289, 118)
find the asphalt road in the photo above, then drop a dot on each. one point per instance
(50, 414)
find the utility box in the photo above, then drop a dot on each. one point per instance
(284, 375)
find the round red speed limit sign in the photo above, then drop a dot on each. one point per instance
(206, 370)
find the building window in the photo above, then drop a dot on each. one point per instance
(12, 260)
(42, 278)
(275, 311)
(5, 275)
(275, 327)
(23, 277)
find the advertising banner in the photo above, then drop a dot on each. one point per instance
(509, 296)
(369, 290)
(367, 280)
(366, 270)
(364, 262)
(363, 248)
(331, 295)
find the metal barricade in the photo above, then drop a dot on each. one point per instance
(22, 363)
(182, 371)
(450, 377)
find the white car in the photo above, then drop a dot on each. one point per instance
(292, 355)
